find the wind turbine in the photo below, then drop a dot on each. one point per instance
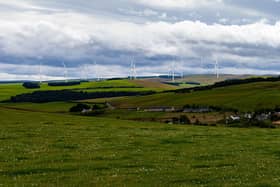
(96, 70)
(169, 71)
(40, 69)
(65, 71)
(182, 71)
(173, 71)
(201, 63)
(132, 69)
(86, 71)
(40, 72)
(217, 68)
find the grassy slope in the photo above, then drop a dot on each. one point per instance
(211, 79)
(154, 83)
(8, 90)
(243, 97)
(58, 149)
(52, 107)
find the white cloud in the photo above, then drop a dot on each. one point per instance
(76, 36)
(53, 35)
(177, 3)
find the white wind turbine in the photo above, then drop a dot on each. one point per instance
(182, 67)
(217, 68)
(40, 69)
(169, 71)
(65, 72)
(96, 71)
(86, 71)
(133, 72)
(40, 72)
(173, 71)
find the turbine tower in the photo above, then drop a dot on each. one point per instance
(40, 72)
(169, 71)
(201, 63)
(40, 69)
(65, 72)
(173, 71)
(86, 71)
(182, 71)
(217, 68)
(132, 70)
(96, 71)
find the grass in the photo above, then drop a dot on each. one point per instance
(39, 149)
(8, 90)
(53, 107)
(247, 97)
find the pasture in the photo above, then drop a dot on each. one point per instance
(45, 145)
(246, 97)
(8, 90)
(44, 149)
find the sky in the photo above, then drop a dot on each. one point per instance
(96, 38)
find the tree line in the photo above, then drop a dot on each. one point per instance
(68, 95)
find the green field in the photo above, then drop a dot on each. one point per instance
(45, 145)
(246, 97)
(53, 107)
(39, 149)
(8, 90)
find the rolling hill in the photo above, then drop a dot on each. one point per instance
(245, 97)
(8, 90)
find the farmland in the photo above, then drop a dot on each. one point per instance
(43, 144)
(246, 97)
(61, 149)
(8, 90)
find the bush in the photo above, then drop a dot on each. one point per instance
(79, 107)
(175, 120)
(184, 120)
(31, 85)
(197, 122)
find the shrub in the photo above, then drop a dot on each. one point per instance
(79, 107)
(175, 120)
(184, 120)
(31, 85)
(197, 122)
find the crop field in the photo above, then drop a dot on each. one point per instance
(247, 97)
(42, 149)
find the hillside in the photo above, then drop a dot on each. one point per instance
(246, 97)
(8, 90)
(60, 149)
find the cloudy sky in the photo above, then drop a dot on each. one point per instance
(100, 38)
